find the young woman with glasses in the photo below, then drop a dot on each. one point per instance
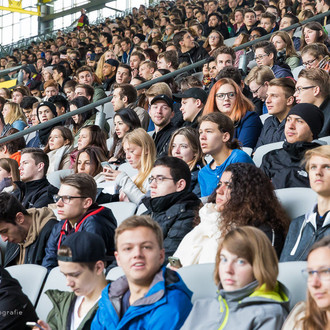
(226, 97)
(213, 41)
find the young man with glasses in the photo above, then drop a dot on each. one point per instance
(78, 211)
(171, 203)
(265, 54)
(307, 229)
(313, 86)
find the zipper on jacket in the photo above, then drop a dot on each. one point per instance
(225, 320)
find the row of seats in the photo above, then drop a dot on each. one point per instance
(198, 278)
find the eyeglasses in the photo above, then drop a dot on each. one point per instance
(222, 96)
(298, 90)
(322, 274)
(310, 62)
(256, 91)
(260, 57)
(66, 199)
(159, 179)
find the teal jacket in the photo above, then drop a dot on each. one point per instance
(243, 309)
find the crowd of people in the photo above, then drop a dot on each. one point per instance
(219, 209)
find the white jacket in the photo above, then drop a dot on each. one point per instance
(200, 245)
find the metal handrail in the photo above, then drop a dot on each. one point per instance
(146, 84)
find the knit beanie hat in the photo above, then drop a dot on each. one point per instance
(311, 114)
(50, 105)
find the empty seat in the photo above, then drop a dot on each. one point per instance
(30, 277)
(121, 210)
(55, 281)
(296, 201)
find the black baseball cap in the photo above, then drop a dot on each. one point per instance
(85, 247)
(165, 98)
(196, 93)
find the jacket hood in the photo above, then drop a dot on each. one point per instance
(250, 294)
(162, 203)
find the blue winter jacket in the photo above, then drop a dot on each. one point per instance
(248, 129)
(166, 305)
(281, 71)
(98, 220)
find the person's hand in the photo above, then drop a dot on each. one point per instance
(43, 324)
(173, 268)
(110, 174)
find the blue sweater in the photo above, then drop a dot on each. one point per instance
(208, 179)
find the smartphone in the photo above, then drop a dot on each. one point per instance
(34, 324)
(175, 262)
(105, 164)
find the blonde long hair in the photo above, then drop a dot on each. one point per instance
(14, 114)
(142, 139)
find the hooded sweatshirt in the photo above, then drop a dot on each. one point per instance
(32, 250)
(244, 309)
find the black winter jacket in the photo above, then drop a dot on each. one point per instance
(283, 166)
(175, 214)
(98, 220)
(37, 193)
(162, 139)
(192, 56)
(15, 306)
(325, 107)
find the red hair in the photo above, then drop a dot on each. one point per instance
(241, 105)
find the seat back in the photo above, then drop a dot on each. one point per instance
(121, 210)
(290, 275)
(325, 139)
(247, 150)
(264, 117)
(115, 273)
(296, 71)
(199, 279)
(24, 275)
(296, 201)
(55, 177)
(263, 150)
(55, 280)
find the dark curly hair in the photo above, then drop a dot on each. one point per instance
(252, 201)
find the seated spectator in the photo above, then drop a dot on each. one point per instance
(216, 133)
(185, 145)
(125, 121)
(34, 190)
(26, 231)
(85, 75)
(285, 49)
(168, 60)
(16, 306)
(125, 96)
(315, 311)
(258, 80)
(188, 51)
(313, 32)
(18, 93)
(313, 86)
(78, 211)
(161, 112)
(245, 291)
(215, 22)
(228, 208)
(149, 295)
(81, 253)
(124, 74)
(9, 173)
(192, 105)
(83, 90)
(279, 101)
(109, 73)
(224, 56)
(140, 153)
(268, 22)
(13, 117)
(147, 69)
(58, 148)
(227, 98)
(69, 88)
(287, 20)
(283, 166)
(77, 122)
(60, 75)
(250, 19)
(51, 88)
(316, 56)
(61, 104)
(26, 106)
(266, 54)
(12, 149)
(135, 60)
(307, 229)
(214, 41)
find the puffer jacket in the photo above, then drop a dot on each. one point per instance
(165, 306)
(283, 166)
(243, 309)
(194, 55)
(175, 214)
(303, 233)
(60, 316)
(98, 220)
(33, 249)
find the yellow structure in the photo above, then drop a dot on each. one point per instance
(16, 6)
